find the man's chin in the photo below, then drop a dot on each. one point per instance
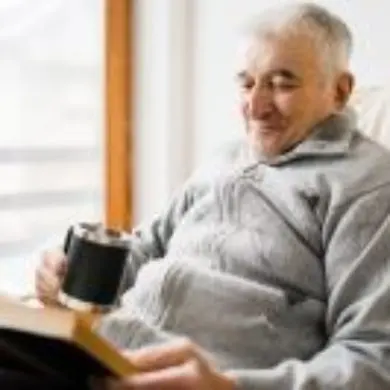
(266, 147)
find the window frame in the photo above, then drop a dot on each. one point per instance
(119, 69)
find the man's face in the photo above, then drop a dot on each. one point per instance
(284, 92)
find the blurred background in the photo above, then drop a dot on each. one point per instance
(88, 87)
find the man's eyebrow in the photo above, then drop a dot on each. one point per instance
(285, 73)
(242, 75)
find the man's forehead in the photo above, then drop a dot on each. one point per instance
(256, 53)
(253, 53)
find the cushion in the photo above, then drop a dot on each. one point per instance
(372, 107)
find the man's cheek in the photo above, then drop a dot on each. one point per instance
(244, 110)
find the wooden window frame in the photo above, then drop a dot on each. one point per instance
(119, 17)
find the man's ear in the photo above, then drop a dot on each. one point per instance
(344, 88)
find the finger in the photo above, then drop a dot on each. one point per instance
(46, 296)
(55, 261)
(166, 355)
(48, 280)
(45, 289)
(49, 297)
(186, 376)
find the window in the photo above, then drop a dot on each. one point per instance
(51, 126)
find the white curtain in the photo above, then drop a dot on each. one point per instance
(51, 119)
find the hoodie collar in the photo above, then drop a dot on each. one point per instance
(331, 137)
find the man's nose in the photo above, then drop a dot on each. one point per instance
(259, 102)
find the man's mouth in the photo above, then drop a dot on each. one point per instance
(266, 129)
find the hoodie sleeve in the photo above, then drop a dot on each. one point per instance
(357, 271)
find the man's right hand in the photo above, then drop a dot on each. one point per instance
(50, 275)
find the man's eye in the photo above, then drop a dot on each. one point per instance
(283, 85)
(286, 87)
(246, 85)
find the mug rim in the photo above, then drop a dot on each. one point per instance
(105, 236)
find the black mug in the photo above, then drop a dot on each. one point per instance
(96, 260)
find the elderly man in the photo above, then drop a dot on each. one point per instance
(271, 268)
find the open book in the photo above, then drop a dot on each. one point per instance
(58, 343)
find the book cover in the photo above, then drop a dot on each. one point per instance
(57, 343)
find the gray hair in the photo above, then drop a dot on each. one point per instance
(329, 32)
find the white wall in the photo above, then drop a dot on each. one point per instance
(163, 147)
(209, 115)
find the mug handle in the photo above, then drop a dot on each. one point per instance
(68, 239)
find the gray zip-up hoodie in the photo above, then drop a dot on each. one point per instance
(279, 268)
